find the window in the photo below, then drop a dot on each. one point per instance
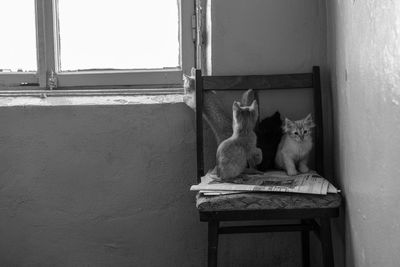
(67, 44)
(18, 44)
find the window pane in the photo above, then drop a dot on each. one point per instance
(118, 34)
(18, 36)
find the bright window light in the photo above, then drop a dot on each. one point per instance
(18, 36)
(118, 34)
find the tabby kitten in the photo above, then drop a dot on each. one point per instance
(295, 146)
(234, 153)
(216, 117)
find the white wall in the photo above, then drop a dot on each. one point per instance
(364, 55)
(258, 36)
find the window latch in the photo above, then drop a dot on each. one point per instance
(52, 80)
(194, 27)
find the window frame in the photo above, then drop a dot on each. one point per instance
(49, 75)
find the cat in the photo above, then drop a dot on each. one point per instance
(295, 146)
(213, 113)
(269, 133)
(234, 153)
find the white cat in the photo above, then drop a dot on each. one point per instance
(234, 153)
(295, 145)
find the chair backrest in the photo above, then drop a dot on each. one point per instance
(258, 83)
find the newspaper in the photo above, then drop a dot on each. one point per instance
(273, 181)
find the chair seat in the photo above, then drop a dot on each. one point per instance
(266, 201)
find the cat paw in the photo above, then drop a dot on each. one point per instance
(291, 172)
(257, 157)
(251, 171)
(303, 168)
(190, 101)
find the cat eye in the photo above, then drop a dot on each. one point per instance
(296, 133)
(305, 131)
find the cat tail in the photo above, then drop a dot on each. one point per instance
(213, 171)
(214, 174)
(193, 71)
(247, 98)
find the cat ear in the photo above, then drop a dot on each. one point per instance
(289, 122)
(236, 105)
(287, 125)
(247, 97)
(193, 72)
(308, 121)
(254, 107)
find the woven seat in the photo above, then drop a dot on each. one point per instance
(266, 201)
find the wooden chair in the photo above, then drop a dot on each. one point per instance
(313, 212)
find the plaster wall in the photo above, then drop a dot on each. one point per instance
(258, 36)
(98, 186)
(364, 56)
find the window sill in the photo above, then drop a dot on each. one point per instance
(90, 97)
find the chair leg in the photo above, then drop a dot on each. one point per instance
(213, 243)
(305, 246)
(326, 242)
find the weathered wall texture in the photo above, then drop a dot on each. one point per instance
(98, 186)
(364, 55)
(258, 36)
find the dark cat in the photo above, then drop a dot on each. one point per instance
(269, 134)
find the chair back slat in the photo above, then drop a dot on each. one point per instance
(257, 82)
(319, 142)
(199, 125)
